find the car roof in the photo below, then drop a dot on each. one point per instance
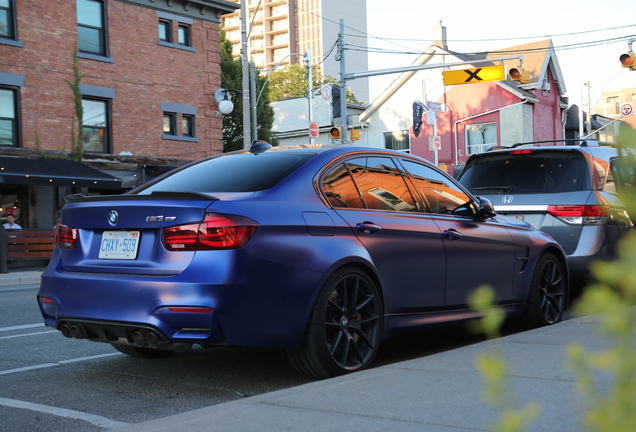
(601, 152)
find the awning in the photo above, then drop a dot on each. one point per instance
(54, 172)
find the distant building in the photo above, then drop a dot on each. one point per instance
(618, 104)
(277, 29)
(147, 71)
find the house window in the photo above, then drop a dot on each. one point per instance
(7, 19)
(179, 122)
(187, 125)
(397, 140)
(165, 31)
(95, 125)
(91, 27)
(184, 35)
(480, 137)
(8, 117)
(169, 123)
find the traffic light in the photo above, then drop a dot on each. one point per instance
(354, 134)
(335, 132)
(627, 61)
(518, 74)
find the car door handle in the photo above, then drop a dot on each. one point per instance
(453, 234)
(368, 227)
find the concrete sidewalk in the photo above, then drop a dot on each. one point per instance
(441, 392)
(21, 276)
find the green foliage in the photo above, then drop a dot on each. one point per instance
(77, 142)
(611, 409)
(291, 81)
(231, 78)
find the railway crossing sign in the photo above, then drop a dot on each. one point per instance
(470, 76)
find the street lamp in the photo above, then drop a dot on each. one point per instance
(225, 104)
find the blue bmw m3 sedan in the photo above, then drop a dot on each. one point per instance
(321, 251)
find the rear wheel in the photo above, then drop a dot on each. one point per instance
(135, 351)
(547, 298)
(345, 327)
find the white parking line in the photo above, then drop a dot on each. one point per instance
(62, 412)
(59, 363)
(21, 327)
(28, 334)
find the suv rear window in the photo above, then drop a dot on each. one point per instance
(243, 172)
(535, 172)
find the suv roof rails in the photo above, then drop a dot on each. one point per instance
(572, 142)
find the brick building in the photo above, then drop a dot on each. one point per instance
(147, 71)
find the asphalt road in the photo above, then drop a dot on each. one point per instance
(50, 383)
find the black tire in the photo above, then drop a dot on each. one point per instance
(547, 298)
(140, 352)
(345, 327)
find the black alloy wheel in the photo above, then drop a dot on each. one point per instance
(345, 327)
(547, 298)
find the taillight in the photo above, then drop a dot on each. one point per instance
(579, 214)
(217, 231)
(524, 151)
(65, 237)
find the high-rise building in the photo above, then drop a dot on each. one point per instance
(278, 30)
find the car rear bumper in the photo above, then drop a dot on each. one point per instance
(204, 306)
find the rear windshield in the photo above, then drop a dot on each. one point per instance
(538, 172)
(232, 173)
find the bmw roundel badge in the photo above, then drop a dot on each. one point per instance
(113, 217)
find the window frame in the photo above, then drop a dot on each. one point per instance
(107, 147)
(181, 22)
(179, 111)
(188, 120)
(168, 30)
(15, 121)
(172, 122)
(12, 23)
(102, 32)
(187, 42)
(483, 146)
(404, 132)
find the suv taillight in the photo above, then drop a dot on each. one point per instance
(65, 237)
(579, 214)
(217, 231)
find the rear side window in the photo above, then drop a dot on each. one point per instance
(232, 173)
(532, 173)
(368, 182)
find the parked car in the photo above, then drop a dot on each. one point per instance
(322, 251)
(567, 191)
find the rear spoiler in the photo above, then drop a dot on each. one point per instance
(158, 195)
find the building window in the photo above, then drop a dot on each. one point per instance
(7, 17)
(8, 117)
(187, 125)
(165, 31)
(169, 123)
(179, 122)
(184, 35)
(91, 27)
(95, 125)
(398, 140)
(480, 137)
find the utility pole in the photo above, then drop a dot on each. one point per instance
(247, 137)
(254, 100)
(589, 109)
(343, 85)
(310, 91)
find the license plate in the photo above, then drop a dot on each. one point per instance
(119, 245)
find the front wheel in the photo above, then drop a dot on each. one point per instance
(345, 327)
(547, 297)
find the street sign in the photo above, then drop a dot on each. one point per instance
(434, 143)
(470, 76)
(325, 92)
(626, 109)
(431, 117)
(314, 130)
(435, 106)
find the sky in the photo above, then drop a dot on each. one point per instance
(484, 25)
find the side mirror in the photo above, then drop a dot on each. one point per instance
(485, 209)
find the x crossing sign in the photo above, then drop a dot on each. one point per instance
(469, 76)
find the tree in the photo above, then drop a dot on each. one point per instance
(291, 81)
(231, 78)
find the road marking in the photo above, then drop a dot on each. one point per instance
(59, 363)
(28, 334)
(63, 412)
(21, 327)
(21, 287)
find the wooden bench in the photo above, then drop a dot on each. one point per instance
(29, 244)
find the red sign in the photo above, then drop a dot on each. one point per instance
(314, 130)
(626, 109)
